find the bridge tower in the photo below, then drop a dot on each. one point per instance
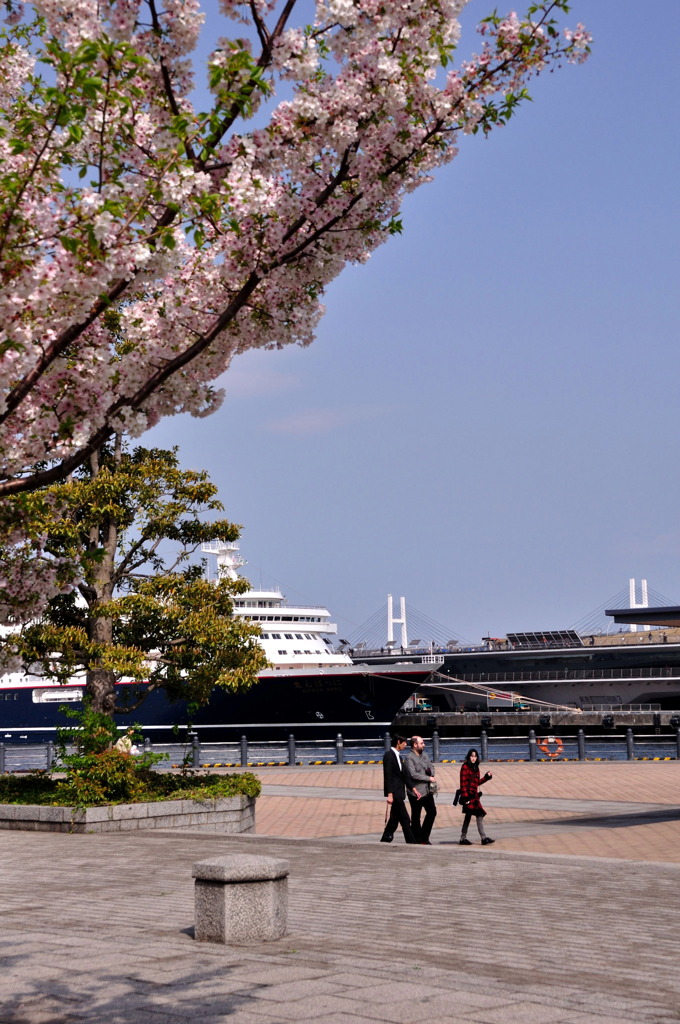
(642, 603)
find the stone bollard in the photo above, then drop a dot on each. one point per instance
(240, 899)
(581, 740)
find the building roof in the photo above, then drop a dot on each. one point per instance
(666, 616)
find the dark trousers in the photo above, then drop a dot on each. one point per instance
(399, 816)
(466, 824)
(427, 804)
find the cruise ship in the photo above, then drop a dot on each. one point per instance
(310, 689)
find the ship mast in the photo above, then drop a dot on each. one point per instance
(228, 557)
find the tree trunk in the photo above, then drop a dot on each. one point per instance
(101, 682)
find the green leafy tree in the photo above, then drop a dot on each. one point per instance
(129, 522)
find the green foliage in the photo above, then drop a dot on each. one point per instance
(97, 773)
(94, 733)
(127, 525)
(106, 778)
(32, 788)
(205, 787)
(119, 778)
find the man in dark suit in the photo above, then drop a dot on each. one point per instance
(395, 792)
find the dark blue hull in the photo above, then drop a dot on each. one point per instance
(358, 701)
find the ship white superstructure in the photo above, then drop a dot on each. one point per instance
(293, 636)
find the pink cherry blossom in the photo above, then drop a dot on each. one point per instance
(144, 243)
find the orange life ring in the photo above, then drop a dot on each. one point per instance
(544, 745)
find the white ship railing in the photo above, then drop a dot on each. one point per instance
(663, 672)
(622, 708)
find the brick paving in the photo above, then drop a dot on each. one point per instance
(570, 917)
(556, 807)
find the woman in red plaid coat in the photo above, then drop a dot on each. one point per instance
(470, 803)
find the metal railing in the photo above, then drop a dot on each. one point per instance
(624, 709)
(244, 754)
(663, 672)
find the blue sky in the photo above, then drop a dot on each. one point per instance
(487, 421)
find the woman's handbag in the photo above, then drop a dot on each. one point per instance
(456, 798)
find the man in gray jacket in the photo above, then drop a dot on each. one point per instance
(419, 774)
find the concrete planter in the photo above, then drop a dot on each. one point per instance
(226, 814)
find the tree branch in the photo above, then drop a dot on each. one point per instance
(263, 61)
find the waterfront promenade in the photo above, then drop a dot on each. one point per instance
(570, 917)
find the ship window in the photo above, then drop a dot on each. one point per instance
(288, 636)
(308, 652)
(283, 652)
(265, 636)
(56, 693)
(308, 636)
(276, 636)
(297, 652)
(299, 636)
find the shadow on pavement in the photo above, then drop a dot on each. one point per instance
(619, 820)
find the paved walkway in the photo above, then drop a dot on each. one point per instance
(626, 810)
(570, 917)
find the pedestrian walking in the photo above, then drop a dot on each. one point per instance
(395, 793)
(470, 803)
(421, 785)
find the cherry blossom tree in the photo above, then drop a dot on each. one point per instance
(144, 242)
